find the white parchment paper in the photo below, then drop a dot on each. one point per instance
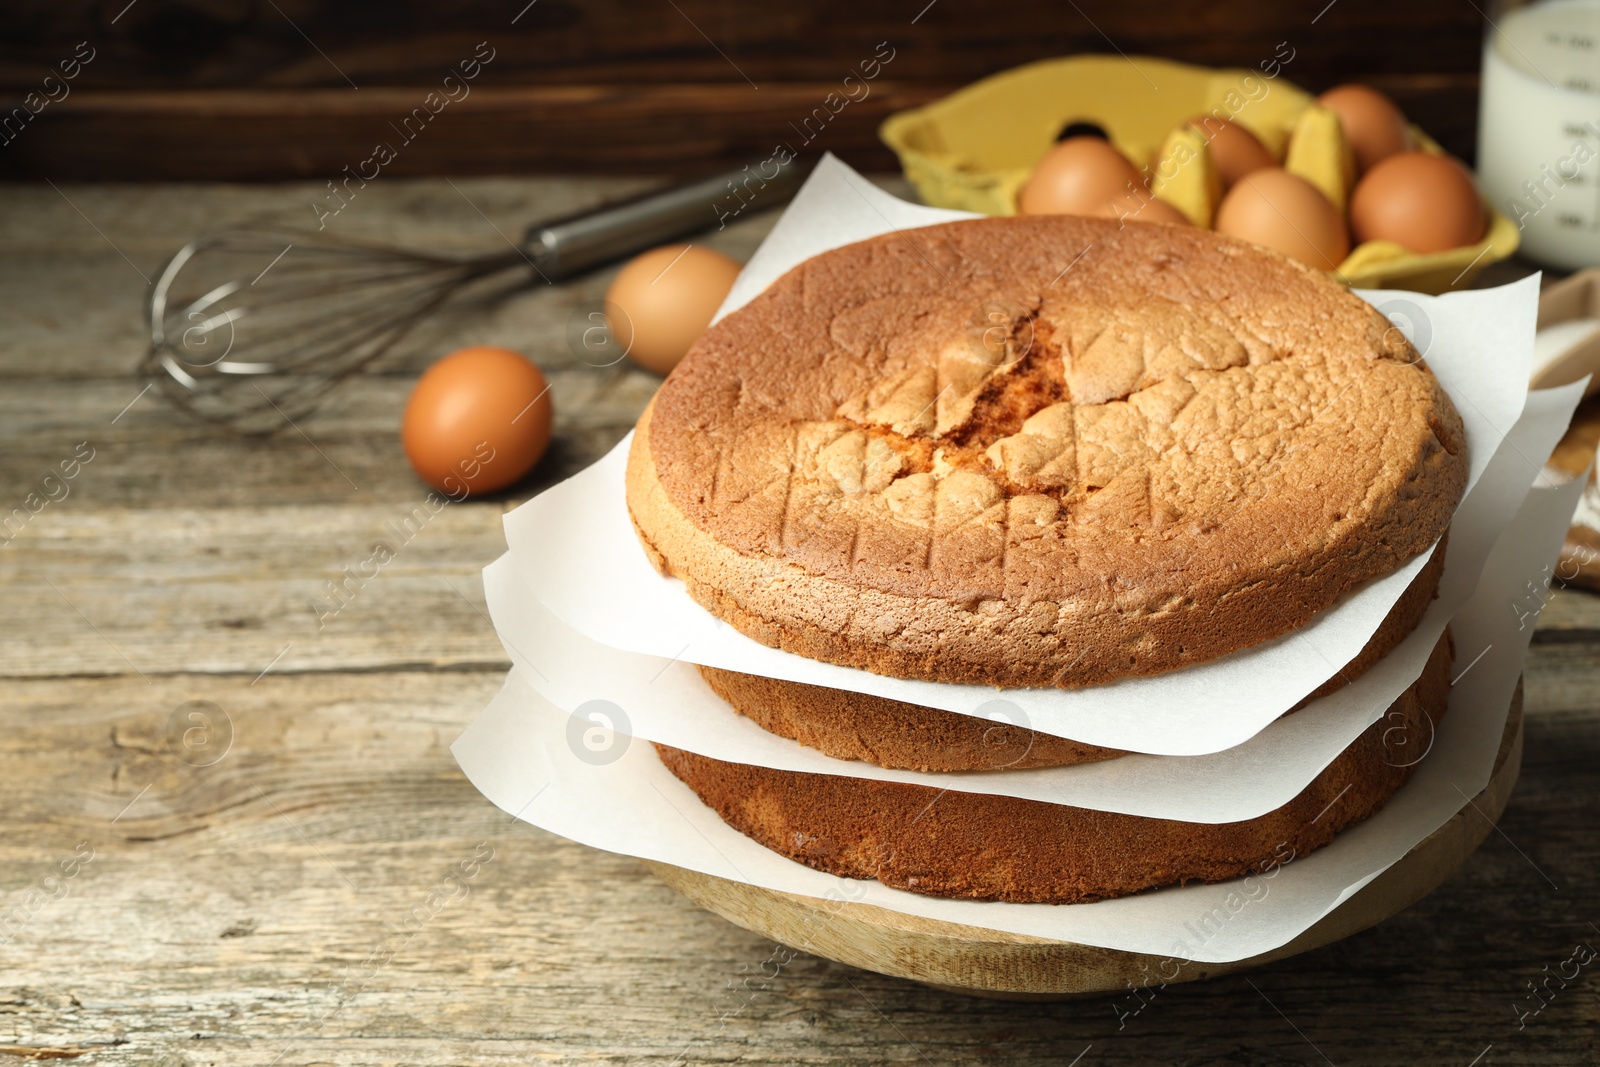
(537, 763)
(667, 700)
(577, 555)
(577, 552)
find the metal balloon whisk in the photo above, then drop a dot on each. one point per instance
(250, 328)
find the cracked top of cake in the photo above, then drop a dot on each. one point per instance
(1042, 451)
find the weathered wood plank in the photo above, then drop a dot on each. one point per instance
(74, 306)
(226, 589)
(560, 44)
(255, 134)
(1574, 612)
(346, 453)
(180, 90)
(261, 910)
(230, 590)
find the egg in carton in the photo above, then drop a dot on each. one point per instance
(976, 149)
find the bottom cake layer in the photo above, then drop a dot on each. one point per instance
(980, 846)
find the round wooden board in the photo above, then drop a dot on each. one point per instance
(992, 963)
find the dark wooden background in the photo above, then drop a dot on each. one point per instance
(272, 89)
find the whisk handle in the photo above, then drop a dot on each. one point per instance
(569, 246)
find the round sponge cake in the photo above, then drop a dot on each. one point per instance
(1042, 451)
(986, 847)
(894, 733)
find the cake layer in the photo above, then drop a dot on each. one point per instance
(986, 847)
(894, 733)
(1042, 451)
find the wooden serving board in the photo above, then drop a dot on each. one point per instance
(992, 963)
(1579, 564)
(1575, 297)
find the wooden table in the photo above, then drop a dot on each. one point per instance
(311, 880)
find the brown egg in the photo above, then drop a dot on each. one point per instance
(1079, 176)
(1145, 209)
(1234, 149)
(477, 421)
(1372, 124)
(1286, 213)
(1420, 201)
(663, 300)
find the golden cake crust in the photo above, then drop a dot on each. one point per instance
(986, 847)
(894, 733)
(1042, 451)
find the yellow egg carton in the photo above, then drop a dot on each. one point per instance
(975, 149)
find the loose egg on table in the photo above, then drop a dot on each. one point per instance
(1372, 124)
(1288, 214)
(1420, 201)
(664, 299)
(477, 421)
(1079, 176)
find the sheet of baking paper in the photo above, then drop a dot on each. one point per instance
(666, 700)
(836, 206)
(610, 791)
(576, 548)
(577, 554)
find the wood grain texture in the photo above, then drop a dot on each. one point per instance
(253, 134)
(237, 89)
(1008, 966)
(219, 43)
(301, 899)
